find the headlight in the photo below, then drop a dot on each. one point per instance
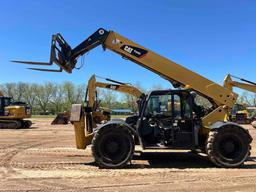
(6, 112)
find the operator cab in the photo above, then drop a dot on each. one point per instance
(4, 101)
(168, 121)
(8, 101)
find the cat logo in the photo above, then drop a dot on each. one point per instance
(113, 87)
(135, 51)
(128, 49)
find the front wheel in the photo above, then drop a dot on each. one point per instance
(228, 146)
(112, 146)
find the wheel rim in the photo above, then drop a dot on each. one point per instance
(114, 149)
(230, 147)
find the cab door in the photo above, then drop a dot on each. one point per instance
(183, 122)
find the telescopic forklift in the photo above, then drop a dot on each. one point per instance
(13, 113)
(169, 119)
(239, 113)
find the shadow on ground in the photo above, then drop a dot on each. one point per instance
(169, 160)
(173, 160)
(182, 161)
(179, 161)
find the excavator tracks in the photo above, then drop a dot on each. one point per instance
(15, 124)
(10, 124)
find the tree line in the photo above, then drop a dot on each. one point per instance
(53, 98)
(47, 98)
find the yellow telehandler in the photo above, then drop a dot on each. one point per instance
(169, 119)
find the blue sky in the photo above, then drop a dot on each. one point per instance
(212, 38)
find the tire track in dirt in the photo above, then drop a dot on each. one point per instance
(6, 161)
(58, 186)
(49, 153)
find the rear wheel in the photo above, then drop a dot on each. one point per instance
(113, 146)
(228, 146)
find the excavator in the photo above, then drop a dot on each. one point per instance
(13, 113)
(100, 114)
(169, 119)
(239, 112)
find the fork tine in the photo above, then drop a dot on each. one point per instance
(31, 62)
(46, 70)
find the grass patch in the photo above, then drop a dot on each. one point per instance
(43, 116)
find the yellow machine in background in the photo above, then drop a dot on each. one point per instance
(239, 113)
(101, 114)
(12, 114)
(169, 119)
(61, 118)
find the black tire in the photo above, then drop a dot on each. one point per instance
(112, 146)
(228, 146)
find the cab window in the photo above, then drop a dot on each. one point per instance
(159, 104)
(177, 107)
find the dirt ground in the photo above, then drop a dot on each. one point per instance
(44, 158)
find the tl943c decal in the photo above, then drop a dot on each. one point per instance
(135, 51)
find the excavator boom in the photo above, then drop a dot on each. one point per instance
(128, 89)
(240, 113)
(230, 83)
(99, 114)
(118, 86)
